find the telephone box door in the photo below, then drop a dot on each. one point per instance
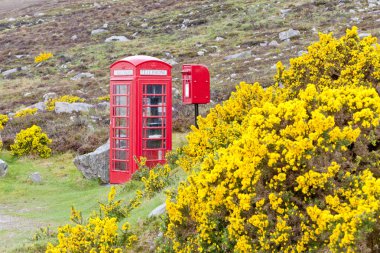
(156, 120)
(121, 131)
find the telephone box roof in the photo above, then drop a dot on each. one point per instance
(139, 59)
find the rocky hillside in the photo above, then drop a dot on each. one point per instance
(238, 40)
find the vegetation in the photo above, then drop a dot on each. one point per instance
(43, 57)
(297, 168)
(25, 112)
(50, 104)
(31, 141)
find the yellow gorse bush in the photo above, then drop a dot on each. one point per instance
(44, 56)
(3, 120)
(287, 170)
(25, 112)
(102, 232)
(104, 98)
(50, 104)
(31, 141)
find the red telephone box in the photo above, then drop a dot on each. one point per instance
(141, 114)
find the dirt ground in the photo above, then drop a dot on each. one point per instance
(12, 8)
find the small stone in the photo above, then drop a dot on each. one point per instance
(98, 31)
(291, 33)
(41, 106)
(273, 43)
(161, 209)
(105, 26)
(117, 39)
(363, 35)
(264, 44)
(233, 76)
(36, 178)
(241, 55)
(50, 95)
(74, 37)
(200, 53)
(301, 52)
(3, 168)
(96, 5)
(273, 66)
(219, 39)
(28, 94)
(82, 75)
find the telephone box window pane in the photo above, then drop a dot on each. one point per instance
(121, 100)
(153, 122)
(120, 89)
(153, 133)
(121, 133)
(154, 89)
(122, 144)
(120, 155)
(154, 154)
(120, 166)
(120, 122)
(153, 143)
(121, 111)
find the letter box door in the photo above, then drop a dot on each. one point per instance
(120, 139)
(156, 120)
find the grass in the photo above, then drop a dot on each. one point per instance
(31, 205)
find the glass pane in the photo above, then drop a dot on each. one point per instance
(120, 89)
(153, 133)
(153, 122)
(120, 155)
(120, 166)
(122, 144)
(154, 154)
(120, 122)
(153, 143)
(121, 100)
(121, 111)
(121, 133)
(154, 89)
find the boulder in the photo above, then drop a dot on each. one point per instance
(241, 55)
(161, 209)
(64, 107)
(36, 178)
(273, 43)
(49, 95)
(103, 105)
(95, 165)
(82, 75)
(41, 106)
(98, 31)
(12, 71)
(3, 168)
(117, 38)
(289, 34)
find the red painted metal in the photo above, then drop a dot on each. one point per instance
(141, 114)
(195, 84)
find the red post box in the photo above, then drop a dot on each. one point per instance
(141, 114)
(195, 84)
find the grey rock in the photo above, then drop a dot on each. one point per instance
(273, 43)
(264, 44)
(363, 35)
(289, 34)
(219, 39)
(41, 106)
(117, 39)
(3, 168)
(28, 94)
(95, 164)
(170, 61)
(301, 52)
(82, 75)
(105, 26)
(233, 76)
(176, 93)
(74, 37)
(161, 209)
(103, 105)
(96, 5)
(284, 12)
(9, 72)
(50, 95)
(63, 107)
(36, 178)
(201, 53)
(241, 55)
(98, 31)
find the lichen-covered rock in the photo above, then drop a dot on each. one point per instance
(95, 164)
(3, 168)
